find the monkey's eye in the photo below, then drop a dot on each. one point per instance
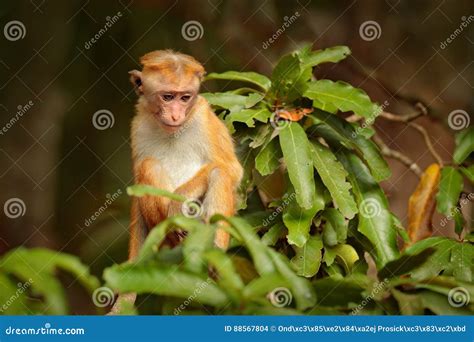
(167, 97)
(185, 98)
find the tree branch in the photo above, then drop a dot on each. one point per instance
(405, 160)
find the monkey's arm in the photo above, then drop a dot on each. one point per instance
(153, 209)
(193, 189)
(138, 230)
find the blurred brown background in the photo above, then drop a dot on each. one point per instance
(64, 169)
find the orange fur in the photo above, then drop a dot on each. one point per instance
(197, 160)
(178, 145)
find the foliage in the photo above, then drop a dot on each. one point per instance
(326, 241)
(29, 283)
(314, 235)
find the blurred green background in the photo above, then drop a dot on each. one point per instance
(64, 169)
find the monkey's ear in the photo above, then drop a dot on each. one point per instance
(201, 75)
(136, 79)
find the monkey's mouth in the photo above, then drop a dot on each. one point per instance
(172, 126)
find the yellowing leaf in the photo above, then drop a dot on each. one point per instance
(422, 203)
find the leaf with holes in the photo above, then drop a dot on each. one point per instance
(308, 258)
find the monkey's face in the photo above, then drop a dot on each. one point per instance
(169, 96)
(172, 108)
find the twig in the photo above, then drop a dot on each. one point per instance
(405, 160)
(408, 117)
(408, 120)
(428, 142)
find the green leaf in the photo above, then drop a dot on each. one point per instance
(401, 231)
(375, 220)
(140, 190)
(275, 233)
(21, 263)
(308, 258)
(468, 172)
(228, 278)
(268, 159)
(295, 147)
(301, 289)
(251, 77)
(451, 258)
(450, 188)
(405, 264)
(167, 281)
(340, 130)
(464, 145)
(334, 176)
(247, 116)
(439, 305)
(343, 96)
(299, 220)
(158, 234)
(195, 245)
(289, 78)
(263, 285)
(335, 229)
(247, 159)
(346, 256)
(227, 100)
(261, 136)
(258, 251)
(13, 296)
(348, 290)
(409, 304)
(333, 55)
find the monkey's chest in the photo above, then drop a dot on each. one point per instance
(181, 168)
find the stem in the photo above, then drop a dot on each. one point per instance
(405, 160)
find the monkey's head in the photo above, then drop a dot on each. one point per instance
(168, 86)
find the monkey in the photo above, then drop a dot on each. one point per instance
(178, 144)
